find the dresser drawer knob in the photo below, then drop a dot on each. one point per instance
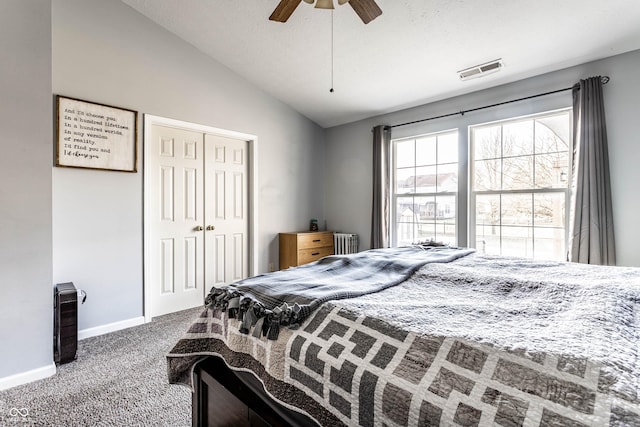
(315, 253)
(316, 240)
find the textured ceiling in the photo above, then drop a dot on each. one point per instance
(406, 57)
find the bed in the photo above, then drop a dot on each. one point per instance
(446, 337)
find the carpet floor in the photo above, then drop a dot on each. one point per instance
(118, 379)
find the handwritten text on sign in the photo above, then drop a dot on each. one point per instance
(95, 136)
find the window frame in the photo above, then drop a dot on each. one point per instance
(472, 193)
(465, 212)
(393, 182)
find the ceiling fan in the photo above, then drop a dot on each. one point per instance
(367, 10)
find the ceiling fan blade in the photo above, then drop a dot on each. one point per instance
(284, 10)
(367, 10)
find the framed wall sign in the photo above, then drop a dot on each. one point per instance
(96, 136)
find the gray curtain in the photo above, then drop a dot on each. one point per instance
(591, 240)
(381, 176)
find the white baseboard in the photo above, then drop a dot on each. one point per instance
(47, 371)
(27, 377)
(110, 327)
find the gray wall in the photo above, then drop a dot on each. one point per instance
(91, 234)
(106, 52)
(349, 154)
(26, 297)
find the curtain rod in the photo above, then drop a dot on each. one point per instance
(604, 79)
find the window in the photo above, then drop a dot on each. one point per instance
(425, 188)
(520, 186)
(518, 190)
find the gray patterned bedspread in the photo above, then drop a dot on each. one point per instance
(286, 298)
(480, 341)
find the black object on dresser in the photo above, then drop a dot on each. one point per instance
(65, 322)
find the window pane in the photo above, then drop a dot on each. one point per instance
(425, 207)
(405, 233)
(426, 231)
(517, 209)
(426, 151)
(405, 152)
(427, 212)
(447, 177)
(448, 148)
(552, 170)
(404, 207)
(487, 175)
(445, 207)
(553, 133)
(426, 179)
(489, 243)
(486, 142)
(488, 210)
(445, 224)
(405, 180)
(517, 138)
(406, 219)
(549, 243)
(550, 210)
(517, 241)
(517, 173)
(488, 223)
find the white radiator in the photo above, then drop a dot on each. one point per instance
(345, 243)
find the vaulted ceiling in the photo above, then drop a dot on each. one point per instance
(408, 56)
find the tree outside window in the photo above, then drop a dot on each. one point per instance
(520, 186)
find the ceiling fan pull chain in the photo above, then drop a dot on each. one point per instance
(331, 90)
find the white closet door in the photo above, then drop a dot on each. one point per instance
(176, 162)
(226, 210)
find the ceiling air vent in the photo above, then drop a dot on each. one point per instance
(480, 70)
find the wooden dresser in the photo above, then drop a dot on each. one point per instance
(304, 247)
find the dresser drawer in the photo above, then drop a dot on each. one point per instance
(315, 240)
(313, 254)
(304, 247)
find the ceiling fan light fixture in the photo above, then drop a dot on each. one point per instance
(324, 4)
(341, 2)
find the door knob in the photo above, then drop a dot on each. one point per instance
(210, 227)
(199, 228)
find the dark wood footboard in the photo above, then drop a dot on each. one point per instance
(223, 397)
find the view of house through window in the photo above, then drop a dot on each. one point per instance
(520, 186)
(425, 188)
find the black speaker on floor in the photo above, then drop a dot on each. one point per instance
(65, 322)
